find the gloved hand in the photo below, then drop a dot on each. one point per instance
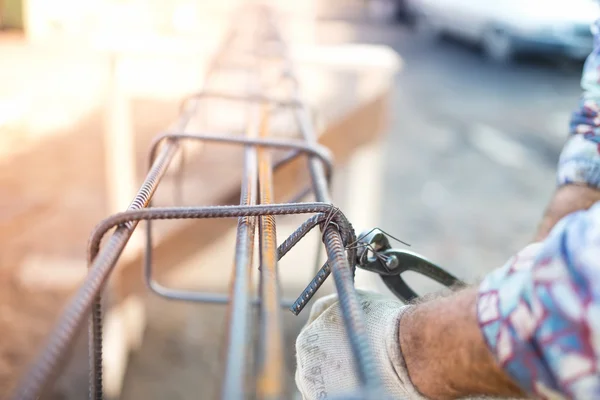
(325, 365)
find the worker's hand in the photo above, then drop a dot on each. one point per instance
(325, 364)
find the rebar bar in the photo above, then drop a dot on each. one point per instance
(320, 152)
(351, 310)
(270, 379)
(343, 274)
(239, 310)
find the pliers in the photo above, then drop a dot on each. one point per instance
(375, 254)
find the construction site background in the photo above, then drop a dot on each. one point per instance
(468, 163)
(79, 77)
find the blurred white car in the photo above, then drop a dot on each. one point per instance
(506, 27)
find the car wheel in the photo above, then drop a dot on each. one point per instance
(498, 45)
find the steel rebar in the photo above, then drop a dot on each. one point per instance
(320, 152)
(239, 309)
(270, 379)
(343, 274)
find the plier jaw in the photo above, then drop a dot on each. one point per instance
(375, 254)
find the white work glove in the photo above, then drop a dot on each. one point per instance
(325, 364)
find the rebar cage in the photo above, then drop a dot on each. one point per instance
(272, 87)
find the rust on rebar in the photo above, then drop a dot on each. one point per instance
(241, 284)
(270, 362)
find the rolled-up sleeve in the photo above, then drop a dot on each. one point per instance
(540, 313)
(580, 158)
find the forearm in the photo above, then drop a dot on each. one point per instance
(443, 338)
(566, 199)
(578, 173)
(445, 352)
(443, 341)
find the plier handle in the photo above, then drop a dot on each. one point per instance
(375, 254)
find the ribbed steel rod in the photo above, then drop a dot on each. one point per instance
(320, 152)
(234, 383)
(225, 212)
(270, 378)
(282, 250)
(343, 273)
(351, 310)
(165, 213)
(141, 200)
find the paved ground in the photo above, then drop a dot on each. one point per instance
(470, 160)
(471, 155)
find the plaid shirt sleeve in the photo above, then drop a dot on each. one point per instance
(580, 158)
(540, 312)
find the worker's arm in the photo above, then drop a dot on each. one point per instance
(539, 314)
(578, 170)
(531, 327)
(535, 320)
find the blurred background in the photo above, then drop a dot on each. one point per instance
(478, 112)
